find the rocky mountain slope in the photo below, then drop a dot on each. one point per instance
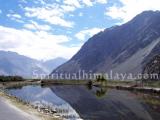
(152, 68)
(122, 49)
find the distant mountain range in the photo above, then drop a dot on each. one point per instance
(122, 49)
(12, 63)
(53, 63)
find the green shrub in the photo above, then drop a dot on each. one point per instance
(10, 78)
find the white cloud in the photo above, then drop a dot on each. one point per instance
(92, 2)
(102, 1)
(41, 1)
(131, 8)
(68, 8)
(88, 2)
(82, 3)
(15, 17)
(23, 1)
(53, 14)
(0, 11)
(88, 33)
(80, 14)
(35, 26)
(74, 3)
(38, 45)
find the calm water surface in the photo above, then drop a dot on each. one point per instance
(81, 102)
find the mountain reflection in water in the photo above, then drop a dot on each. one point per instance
(114, 105)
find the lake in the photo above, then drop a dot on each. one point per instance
(92, 103)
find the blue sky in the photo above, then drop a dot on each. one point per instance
(46, 29)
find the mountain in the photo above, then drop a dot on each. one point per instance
(11, 63)
(122, 49)
(54, 63)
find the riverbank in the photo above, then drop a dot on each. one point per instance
(64, 82)
(22, 109)
(19, 83)
(154, 84)
(153, 87)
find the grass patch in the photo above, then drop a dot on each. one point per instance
(155, 84)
